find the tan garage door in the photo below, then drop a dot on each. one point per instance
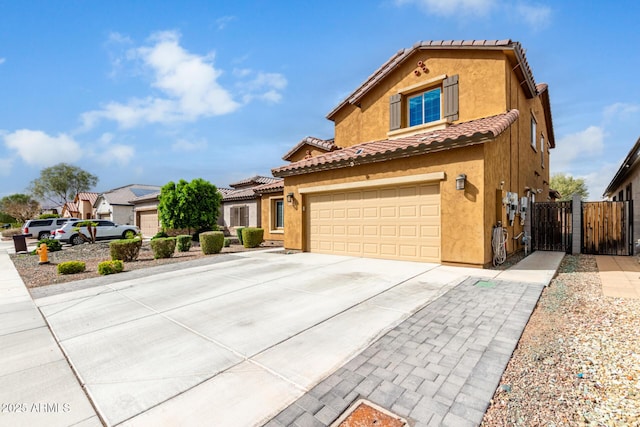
(401, 222)
(148, 223)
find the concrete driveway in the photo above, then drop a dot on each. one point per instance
(233, 343)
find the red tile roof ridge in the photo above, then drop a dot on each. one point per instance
(459, 134)
(323, 144)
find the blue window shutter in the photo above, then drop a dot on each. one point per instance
(450, 89)
(395, 112)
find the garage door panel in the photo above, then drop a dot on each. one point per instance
(391, 222)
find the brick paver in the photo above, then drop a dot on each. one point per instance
(441, 366)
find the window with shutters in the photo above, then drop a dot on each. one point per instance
(430, 102)
(239, 216)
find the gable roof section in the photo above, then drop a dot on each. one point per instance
(322, 144)
(627, 166)
(457, 135)
(274, 187)
(253, 181)
(70, 207)
(86, 196)
(240, 194)
(513, 49)
(124, 195)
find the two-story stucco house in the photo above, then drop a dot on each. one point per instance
(424, 155)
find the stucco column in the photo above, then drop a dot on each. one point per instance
(576, 225)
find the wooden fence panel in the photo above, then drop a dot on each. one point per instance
(607, 228)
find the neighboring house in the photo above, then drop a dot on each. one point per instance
(115, 205)
(145, 210)
(272, 203)
(241, 205)
(625, 185)
(435, 117)
(81, 207)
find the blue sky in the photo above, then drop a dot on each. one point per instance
(151, 91)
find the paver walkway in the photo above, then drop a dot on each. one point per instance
(620, 276)
(442, 365)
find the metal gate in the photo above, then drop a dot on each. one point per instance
(607, 228)
(551, 227)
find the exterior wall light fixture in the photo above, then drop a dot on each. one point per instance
(460, 180)
(290, 198)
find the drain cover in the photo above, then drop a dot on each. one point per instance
(367, 414)
(485, 284)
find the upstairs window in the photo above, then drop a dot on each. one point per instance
(533, 133)
(424, 108)
(542, 148)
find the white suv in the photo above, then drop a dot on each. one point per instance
(43, 228)
(105, 230)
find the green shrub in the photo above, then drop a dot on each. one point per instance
(227, 242)
(125, 249)
(49, 215)
(71, 267)
(252, 237)
(211, 242)
(53, 245)
(184, 242)
(110, 267)
(163, 247)
(239, 233)
(160, 235)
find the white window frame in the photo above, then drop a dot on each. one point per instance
(534, 133)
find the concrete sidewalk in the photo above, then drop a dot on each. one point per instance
(37, 386)
(620, 276)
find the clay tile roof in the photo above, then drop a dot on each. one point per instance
(456, 135)
(70, 207)
(253, 181)
(403, 54)
(90, 197)
(241, 194)
(273, 187)
(323, 144)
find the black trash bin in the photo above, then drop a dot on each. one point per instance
(20, 242)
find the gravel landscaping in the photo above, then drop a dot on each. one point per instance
(35, 275)
(578, 360)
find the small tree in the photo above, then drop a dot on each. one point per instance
(60, 183)
(20, 206)
(567, 186)
(190, 205)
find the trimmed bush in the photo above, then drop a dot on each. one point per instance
(252, 237)
(163, 247)
(110, 267)
(239, 233)
(160, 235)
(71, 267)
(184, 242)
(53, 245)
(211, 242)
(227, 242)
(125, 249)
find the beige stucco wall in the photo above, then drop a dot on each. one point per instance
(267, 220)
(481, 92)
(461, 211)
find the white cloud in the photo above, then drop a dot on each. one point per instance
(107, 152)
(222, 22)
(186, 145)
(37, 148)
(264, 86)
(620, 110)
(537, 16)
(452, 7)
(188, 83)
(583, 145)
